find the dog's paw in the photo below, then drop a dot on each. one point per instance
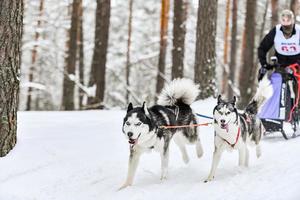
(199, 154)
(199, 150)
(163, 177)
(124, 186)
(208, 179)
(258, 152)
(185, 159)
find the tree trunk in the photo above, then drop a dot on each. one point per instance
(11, 18)
(225, 85)
(98, 68)
(274, 5)
(246, 78)
(205, 56)
(68, 84)
(32, 68)
(128, 49)
(179, 30)
(165, 6)
(233, 49)
(295, 6)
(81, 55)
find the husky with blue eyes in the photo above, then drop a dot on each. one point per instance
(234, 130)
(143, 129)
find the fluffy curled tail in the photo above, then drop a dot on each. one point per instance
(179, 90)
(263, 93)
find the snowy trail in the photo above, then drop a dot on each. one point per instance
(83, 156)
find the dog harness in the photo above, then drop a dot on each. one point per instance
(236, 139)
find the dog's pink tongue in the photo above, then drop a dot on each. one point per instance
(226, 127)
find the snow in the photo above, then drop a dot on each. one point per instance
(83, 155)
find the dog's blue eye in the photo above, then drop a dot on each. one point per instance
(138, 124)
(128, 123)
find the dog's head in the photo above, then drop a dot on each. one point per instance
(225, 112)
(138, 125)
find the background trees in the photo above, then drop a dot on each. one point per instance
(11, 18)
(155, 40)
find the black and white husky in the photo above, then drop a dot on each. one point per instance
(235, 130)
(142, 126)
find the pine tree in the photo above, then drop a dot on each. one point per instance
(205, 56)
(179, 30)
(68, 83)
(98, 69)
(11, 18)
(246, 77)
(165, 6)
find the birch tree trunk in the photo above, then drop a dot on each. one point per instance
(11, 18)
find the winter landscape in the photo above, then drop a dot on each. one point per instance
(70, 68)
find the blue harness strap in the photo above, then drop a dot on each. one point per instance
(205, 116)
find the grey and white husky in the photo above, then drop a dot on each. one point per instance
(235, 130)
(142, 126)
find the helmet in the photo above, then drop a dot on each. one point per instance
(287, 21)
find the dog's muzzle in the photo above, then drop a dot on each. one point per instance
(132, 142)
(224, 126)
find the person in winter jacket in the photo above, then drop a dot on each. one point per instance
(285, 37)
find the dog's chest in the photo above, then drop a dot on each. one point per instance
(229, 134)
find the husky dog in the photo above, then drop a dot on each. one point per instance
(143, 129)
(234, 130)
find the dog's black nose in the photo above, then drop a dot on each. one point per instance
(222, 121)
(130, 134)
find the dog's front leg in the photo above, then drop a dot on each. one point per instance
(242, 155)
(132, 166)
(216, 159)
(165, 158)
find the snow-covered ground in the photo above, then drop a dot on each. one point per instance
(83, 156)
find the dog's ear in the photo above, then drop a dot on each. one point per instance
(220, 99)
(130, 107)
(145, 109)
(233, 101)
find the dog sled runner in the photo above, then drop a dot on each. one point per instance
(283, 107)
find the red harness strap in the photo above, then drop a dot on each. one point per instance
(296, 73)
(236, 139)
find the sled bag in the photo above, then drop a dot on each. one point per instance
(271, 109)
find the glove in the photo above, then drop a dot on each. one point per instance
(261, 72)
(267, 66)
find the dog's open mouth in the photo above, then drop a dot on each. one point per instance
(132, 141)
(224, 126)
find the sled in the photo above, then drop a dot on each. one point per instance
(283, 107)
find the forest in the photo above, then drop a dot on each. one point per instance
(86, 54)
